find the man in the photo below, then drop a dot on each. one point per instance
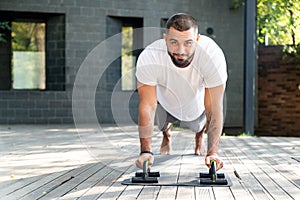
(181, 78)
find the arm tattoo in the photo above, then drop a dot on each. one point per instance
(213, 138)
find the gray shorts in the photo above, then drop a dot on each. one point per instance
(163, 119)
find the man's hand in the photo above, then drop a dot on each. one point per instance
(215, 157)
(214, 108)
(144, 156)
(146, 113)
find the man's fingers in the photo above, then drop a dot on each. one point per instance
(219, 162)
(219, 165)
(145, 156)
(138, 164)
(150, 161)
(207, 161)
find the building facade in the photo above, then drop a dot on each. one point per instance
(84, 48)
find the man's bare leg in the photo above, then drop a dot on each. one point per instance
(200, 147)
(166, 147)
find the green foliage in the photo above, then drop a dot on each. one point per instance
(278, 23)
(244, 134)
(292, 54)
(4, 26)
(27, 36)
(237, 4)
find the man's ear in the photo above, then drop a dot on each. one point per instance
(165, 36)
(198, 37)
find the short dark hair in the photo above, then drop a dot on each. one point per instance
(181, 22)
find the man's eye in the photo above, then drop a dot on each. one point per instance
(173, 42)
(189, 43)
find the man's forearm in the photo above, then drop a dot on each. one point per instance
(146, 123)
(145, 133)
(214, 132)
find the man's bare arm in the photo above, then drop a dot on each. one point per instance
(215, 117)
(147, 107)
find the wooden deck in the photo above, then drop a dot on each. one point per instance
(62, 162)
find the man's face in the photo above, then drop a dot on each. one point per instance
(181, 45)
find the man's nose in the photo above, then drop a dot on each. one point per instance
(181, 49)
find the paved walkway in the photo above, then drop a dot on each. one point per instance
(90, 162)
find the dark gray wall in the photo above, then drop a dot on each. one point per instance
(86, 26)
(228, 26)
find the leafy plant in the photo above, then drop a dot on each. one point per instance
(4, 26)
(278, 23)
(292, 54)
(244, 134)
(237, 4)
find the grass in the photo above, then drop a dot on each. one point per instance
(243, 134)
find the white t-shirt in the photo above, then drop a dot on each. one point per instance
(181, 90)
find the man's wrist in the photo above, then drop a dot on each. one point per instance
(211, 154)
(146, 151)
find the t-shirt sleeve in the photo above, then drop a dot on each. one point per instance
(145, 70)
(215, 72)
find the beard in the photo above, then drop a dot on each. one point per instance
(181, 62)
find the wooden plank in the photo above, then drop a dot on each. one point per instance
(259, 168)
(56, 183)
(186, 193)
(36, 157)
(238, 189)
(236, 149)
(284, 152)
(30, 188)
(287, 171)
(7, 184)
(264, 165)
(43, 161)
(234, 167)
(189, 169)
(149, 193)
(276, 171)
(85, 186)
(17, 185)
(167, 192)
(77, 179)
(222, 193)
(108, 188)
(283, 161)
(294, 144)
(131, 192)
(101, 192)
(168, 166)
(282, 147)
(279, 148)
(204, 193)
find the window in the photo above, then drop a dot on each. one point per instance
(28, 58)
(32, 51)
(128, 81)
(123, 69)
(163, 23)
(131, 42)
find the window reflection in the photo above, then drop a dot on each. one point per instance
(128, 60)
(28, 59)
